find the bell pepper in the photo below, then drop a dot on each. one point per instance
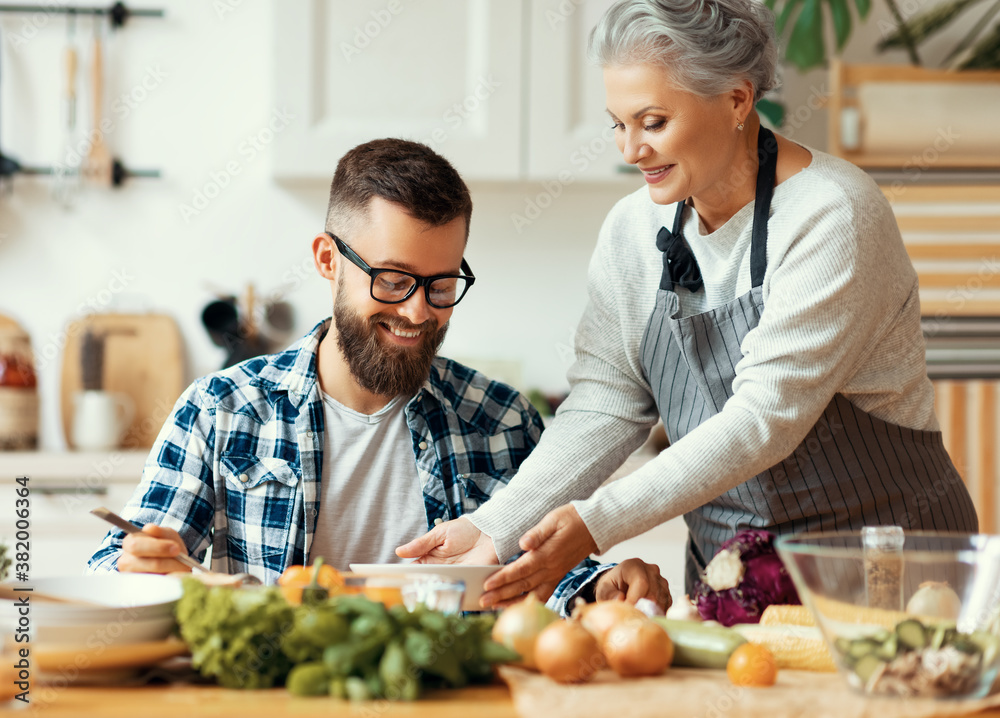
(317, 581)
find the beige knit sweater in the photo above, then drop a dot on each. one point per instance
(841, 315)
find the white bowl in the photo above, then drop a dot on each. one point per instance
(471, 576)
(131, 608)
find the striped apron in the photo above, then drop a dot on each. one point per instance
(851, 470)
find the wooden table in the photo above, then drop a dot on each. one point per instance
(187, 701)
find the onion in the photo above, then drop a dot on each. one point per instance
(936, 599)
(567, 653)
(518, 628)
(600, 617)
(638, 649)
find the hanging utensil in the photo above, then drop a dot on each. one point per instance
(99, 160)
(66, 175)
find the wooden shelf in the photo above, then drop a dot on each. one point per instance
(63, 467)
(846, 83)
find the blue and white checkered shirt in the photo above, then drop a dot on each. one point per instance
(237, 464)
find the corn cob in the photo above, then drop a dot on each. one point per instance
(796, 647)
(781, 615)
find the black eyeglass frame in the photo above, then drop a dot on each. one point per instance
(419, 281)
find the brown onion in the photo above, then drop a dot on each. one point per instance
(567, 653)
(638, 648)
(601, 617)
(518, 628)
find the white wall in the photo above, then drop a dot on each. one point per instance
(210, 90)
(201, 85)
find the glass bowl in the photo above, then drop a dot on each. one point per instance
(859, 598)
(432, 591)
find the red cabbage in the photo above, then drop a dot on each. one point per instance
(765, 582)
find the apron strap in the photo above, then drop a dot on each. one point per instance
(767, 154)
(679, 217)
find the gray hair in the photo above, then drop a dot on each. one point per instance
(709, 46)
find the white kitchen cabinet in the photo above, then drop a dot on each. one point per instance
(570, 137)
(63, 488)
(444, 72)
(502, 88)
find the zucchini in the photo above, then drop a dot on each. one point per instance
(887, 651)
(966, 645)
(988, 644)
(699, 646)
(862, 647)
(866, 666)
(911, 634)
(938, 637)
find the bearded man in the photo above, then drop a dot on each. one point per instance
(358, 438)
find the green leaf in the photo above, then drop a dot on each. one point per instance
(925, 23)
(841, 14)
(805, 47)
(961, 47)
(773, 112)
(986, 55)
(769, 4)
(786, 13)
(863, 7)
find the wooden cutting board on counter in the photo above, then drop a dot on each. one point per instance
(143, 358)
(709, 693)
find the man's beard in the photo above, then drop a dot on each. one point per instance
(382, 369)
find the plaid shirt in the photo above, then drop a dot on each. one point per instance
(238, 464)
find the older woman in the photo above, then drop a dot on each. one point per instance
(757, 296)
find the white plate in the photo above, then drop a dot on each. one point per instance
(472, 576)
(96, 664)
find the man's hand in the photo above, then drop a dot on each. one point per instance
(457, 541)
(631, 580)
(558, 543)
(152, 551)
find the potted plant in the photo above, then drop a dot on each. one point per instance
(801, 26)
(805, 47)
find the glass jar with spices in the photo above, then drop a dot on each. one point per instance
(18, 390)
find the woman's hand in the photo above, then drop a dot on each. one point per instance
(631, 580)
(558, 543)
(457, 541)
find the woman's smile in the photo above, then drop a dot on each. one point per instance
(655, 174)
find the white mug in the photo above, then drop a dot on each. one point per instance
(100, 418)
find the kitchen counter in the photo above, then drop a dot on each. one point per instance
(186, 701)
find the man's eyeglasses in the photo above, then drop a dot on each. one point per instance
(393, 286)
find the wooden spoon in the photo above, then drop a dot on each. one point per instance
(99, 159)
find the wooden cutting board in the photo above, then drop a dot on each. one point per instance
(143, 358)
(709, 693)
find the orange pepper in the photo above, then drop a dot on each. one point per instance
(296, 578)
(388, 595)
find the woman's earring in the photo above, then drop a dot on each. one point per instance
(739, 126)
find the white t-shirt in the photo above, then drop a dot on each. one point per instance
(370, 496)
